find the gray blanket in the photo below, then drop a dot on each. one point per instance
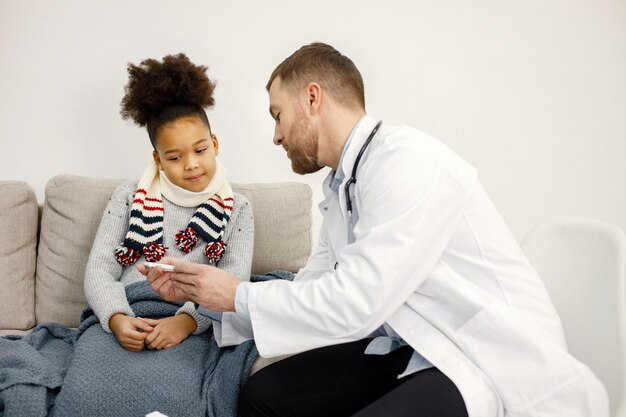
(62, 372)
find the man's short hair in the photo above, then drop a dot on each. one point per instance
(321, 63)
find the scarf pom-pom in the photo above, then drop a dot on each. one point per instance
(187, 239)
(126, 256)
(154, 251)
(215, 250)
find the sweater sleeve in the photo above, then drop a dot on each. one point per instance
(104, 291)
(202, 322)
(239, 238)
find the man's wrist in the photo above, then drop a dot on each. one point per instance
(233, 295)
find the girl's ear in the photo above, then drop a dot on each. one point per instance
(157, 160)
(216, 143)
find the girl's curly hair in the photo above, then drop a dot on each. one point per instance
(160, 92)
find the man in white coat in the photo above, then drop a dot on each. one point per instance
(417, 300)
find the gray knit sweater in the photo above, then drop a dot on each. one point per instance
(105, 279)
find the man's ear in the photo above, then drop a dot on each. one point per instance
(314, 97)
(157, 160)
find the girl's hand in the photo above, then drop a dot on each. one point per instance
(130, 332)
(169, 331)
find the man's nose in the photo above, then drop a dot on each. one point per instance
(278, 137)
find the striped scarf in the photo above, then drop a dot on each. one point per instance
(145, 231)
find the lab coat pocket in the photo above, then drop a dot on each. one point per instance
(525, 368)
(447, 300)
(428, 294)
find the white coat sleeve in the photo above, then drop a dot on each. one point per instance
(318, 263)
(409, 207)
(236, 328)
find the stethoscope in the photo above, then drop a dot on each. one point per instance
(352, 179)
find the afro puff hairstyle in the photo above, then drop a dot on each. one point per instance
(161, 92)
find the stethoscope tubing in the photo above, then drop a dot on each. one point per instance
(352, 179)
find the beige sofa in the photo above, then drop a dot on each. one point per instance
(44, 250)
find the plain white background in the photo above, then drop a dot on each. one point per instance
(532, 93)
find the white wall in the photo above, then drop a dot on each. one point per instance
(533, 93)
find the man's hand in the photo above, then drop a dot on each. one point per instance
(205, 285)
(161, 283)
(130, 332)
(169, 331)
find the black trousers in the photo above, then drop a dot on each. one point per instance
(342, 381)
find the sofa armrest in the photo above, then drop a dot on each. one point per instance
(18, 244)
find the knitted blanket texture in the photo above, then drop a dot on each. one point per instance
(58, 371)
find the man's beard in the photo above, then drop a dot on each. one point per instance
(303, 155)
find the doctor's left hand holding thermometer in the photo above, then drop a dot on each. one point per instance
(205, 285)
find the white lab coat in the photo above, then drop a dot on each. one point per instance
(434, 260)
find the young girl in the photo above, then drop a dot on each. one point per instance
(182, 206)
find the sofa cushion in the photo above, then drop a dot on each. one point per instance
(18, 252)
(72, 212)
(282, 224)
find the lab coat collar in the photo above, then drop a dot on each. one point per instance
(358, 135)
(354, 143)
(340, 175)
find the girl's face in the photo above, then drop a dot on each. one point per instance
(186, 151)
